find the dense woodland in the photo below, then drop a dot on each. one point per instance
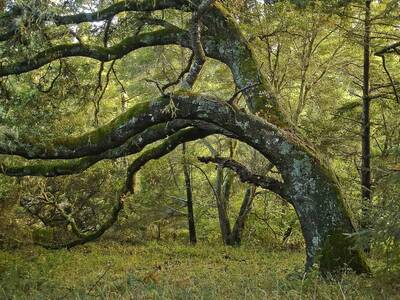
(184, 149)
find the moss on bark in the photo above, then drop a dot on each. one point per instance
(339, 252)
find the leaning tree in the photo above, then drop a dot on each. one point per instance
(179, 116)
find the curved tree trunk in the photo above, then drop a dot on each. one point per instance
(308, 183)
(313, 188)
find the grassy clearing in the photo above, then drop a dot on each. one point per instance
(174, 271)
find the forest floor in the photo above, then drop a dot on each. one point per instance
(175, 271)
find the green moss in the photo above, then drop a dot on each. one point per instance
(339, 252)
(244, 65)
(100, 134)
(45, 235)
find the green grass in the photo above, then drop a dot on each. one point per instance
(174, 271)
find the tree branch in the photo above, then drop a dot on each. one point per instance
(88, 237)
(190, 107)
(197, 47)
(103, 54)
(74, 166)
(388, 49)
(392, 83)
(164, 148)
(245, 175)
(119, 7)
(180, 76)
(169, 144)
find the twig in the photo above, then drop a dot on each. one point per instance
(157, 84)
(100, 278)
(390, 78)
(230, 101)
(181, 75)
(52, 82)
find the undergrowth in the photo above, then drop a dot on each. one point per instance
(175, 271)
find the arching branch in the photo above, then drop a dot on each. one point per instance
(119, 7)
(101, 15)
(103, 54)
(164, 148)
(109, 136)
(74, 166)
(169, 144)
(128, 124)
(393, 48)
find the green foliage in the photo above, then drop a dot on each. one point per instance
(329, 4)
(386, 224)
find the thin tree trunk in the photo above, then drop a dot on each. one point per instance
(223, 189)
(236, 235)
(223, 217)
(365, 120)
(189, 198)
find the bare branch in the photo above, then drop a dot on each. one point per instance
(237, 93)
(197, 47)
(388, 49)
(52, 83)
(181, 75)
(390, 78)
(246, 176)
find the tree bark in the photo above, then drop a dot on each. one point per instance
(365, 120)
(222, 202)
(189, 198)
(236, 235)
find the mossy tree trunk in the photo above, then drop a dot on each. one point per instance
(309, 185)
